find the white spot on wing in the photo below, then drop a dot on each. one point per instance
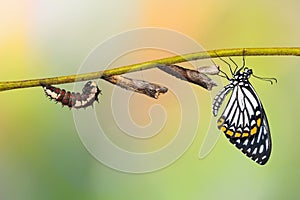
(254, 151)
(246, 119)
(261, 148)
(240, 98)
(259, 134)
(267, 144)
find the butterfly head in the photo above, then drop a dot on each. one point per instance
(242, 75)
(247, 73)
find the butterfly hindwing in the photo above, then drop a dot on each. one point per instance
(258, 146)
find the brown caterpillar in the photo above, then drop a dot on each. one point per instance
(89, 94)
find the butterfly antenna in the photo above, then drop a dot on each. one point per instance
(224, 76)
(236, 66)
(244, 63)
(271, 80)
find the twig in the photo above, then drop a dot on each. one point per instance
(279, 51)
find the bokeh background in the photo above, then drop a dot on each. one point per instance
(41, 155)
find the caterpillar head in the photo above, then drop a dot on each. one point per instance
(91, 89)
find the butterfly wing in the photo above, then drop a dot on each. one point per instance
(258, 146)
(242, 116)
(245, 124)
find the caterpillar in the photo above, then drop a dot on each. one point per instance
(89, 94)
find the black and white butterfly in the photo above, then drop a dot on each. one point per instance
(244, 120)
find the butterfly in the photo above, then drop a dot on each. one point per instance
(244, 119)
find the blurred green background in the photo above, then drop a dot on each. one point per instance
(41, 155)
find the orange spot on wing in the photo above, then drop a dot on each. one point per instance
(245, 135)
(258, 122)
(220, 122)
(229, 132)
(253, 130)
(223, 129)
(237, 134)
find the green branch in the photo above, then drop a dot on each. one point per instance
(279, 51)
